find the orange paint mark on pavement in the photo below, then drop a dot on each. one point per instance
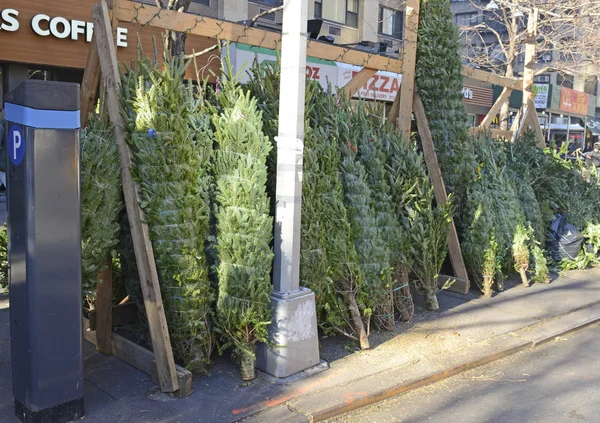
(351, 396)
(279, 400)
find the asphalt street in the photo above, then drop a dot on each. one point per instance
(556, 382)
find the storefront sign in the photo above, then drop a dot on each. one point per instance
(541, 93)
(572, 101)
(478, 96)
(57, 27)
(58, 33)
(242, 56)
(382, 86)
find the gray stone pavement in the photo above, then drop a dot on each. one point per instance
(466, 328)
(557, 382)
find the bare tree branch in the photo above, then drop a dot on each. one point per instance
(265, 13)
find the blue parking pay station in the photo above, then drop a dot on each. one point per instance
(44, 250)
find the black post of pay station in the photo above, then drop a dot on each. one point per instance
(44, 250)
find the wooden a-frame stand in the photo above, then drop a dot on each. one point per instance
(102, 67)
(160, 363)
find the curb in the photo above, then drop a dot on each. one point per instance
(323, 405)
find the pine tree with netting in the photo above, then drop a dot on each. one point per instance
(373, 158)
(244, 226)
(172, 147)
(328, 257)
(101, 201)
(439, 81)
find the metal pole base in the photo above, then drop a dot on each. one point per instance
(62, 413)
(293, 332)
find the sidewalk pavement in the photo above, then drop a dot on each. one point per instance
(467, 331)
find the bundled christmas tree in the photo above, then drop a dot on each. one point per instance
(373, 253)
(244, 227)
(101, 201)
(328, 260)
(172, 147)
(372, 156)
(439, 81)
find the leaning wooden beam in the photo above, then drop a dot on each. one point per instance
(504, 96)
(89, 84)
(395, 109)
(519, 122)
(409, 60)
(144, 254)
(535, 125)
(503, 81)
(441, 196)
(358, 81)
(143, 14)
(140, 358)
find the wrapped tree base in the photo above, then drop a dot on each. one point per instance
(432, 302)
(524, 278)
(383, 312)
(247, 365)
(403, 300)
(357, 321)
(487, 287)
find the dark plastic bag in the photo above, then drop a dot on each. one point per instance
(564, 239)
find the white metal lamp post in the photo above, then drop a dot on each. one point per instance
(293, 330)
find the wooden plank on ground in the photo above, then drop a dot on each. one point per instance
(358, 81)
(122, 314)
(144, 14)
(441, 196)
(144, 254)
(409, 60)
(89, 84)
(140, 358)
(103, 312)
(500, 101)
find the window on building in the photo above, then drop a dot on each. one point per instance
(565, 80)
(591, 85)
(390, 22)
(202, 2)
(465, 19)
(457, 1)
(340, 11)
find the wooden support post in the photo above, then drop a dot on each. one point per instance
(535, 125)
(504, 97)
(519, 122)
(358, 81)
(529, 72)
(104, 295)
(409, 60)
(435, 174)
(89, 85)
(393, 116)
(144, 254)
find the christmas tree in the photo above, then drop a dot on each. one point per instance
(172, 148)
(244, 227)
(101, 201)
